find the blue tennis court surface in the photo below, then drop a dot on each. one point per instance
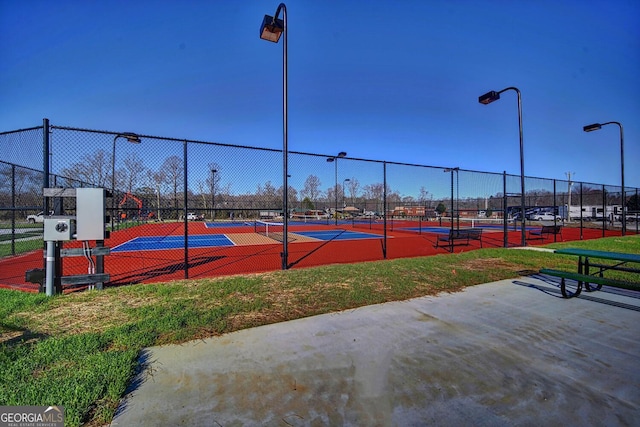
(156, 243)
(338, 235)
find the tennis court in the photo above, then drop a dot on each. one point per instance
(327, 235)
(155, 252)
(156, 243)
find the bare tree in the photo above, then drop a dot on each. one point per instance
(268, 195)
(173, 168)
(92, 168)
(133, 171)
(424, 196)
(375, 192)
(156, 180)
(312, 188)
(353, 185)
(25, 183)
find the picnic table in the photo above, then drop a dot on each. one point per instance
(592, 273)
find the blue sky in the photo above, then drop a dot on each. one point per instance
(386, 80)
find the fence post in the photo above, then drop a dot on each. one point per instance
(186, 220)
(581, 218)
(13, 209)
(504, 210)
(555, 208)
(384, 208)
(604, 209)
(45, 173)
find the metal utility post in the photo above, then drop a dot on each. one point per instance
(213, 194)
(456, 169)
(334, 159)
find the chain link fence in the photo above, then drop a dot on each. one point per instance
(175, 182)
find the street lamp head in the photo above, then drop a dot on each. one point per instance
(489, 97)
(271, 29)
(330, 159)
(341, 154)
(591, 128)
(347, 179)
(131, 137)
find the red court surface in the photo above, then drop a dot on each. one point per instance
(254, 253)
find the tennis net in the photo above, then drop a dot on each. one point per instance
(273, 230)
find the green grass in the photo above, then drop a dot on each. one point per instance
(21, 247)
(80, 350)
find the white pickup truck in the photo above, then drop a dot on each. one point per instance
(39, 217)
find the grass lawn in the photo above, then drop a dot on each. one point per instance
(80, 350)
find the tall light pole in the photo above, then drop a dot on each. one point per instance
(598, 126)
(213, 194)
(271, 30)
(334, 159)
(344, 184)
(488, 98)
(132, 138)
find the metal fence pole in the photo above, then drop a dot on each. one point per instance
(504, 210)
(185, 211)
(384, 207)
(13, 209)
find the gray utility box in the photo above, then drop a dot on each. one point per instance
(90, 213)
(59, 228)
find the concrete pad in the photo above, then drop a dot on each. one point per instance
(507, 353)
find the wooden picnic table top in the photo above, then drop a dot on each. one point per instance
(619, 256)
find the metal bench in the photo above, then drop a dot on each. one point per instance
(545, 230)
(464, 236)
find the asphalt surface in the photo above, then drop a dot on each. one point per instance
(507, 353)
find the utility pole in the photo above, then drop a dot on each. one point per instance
(569, 184)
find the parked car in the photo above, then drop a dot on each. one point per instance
(39, 217)
(193, 217)
(545, 216)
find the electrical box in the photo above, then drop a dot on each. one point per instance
(90, 213)
(59, 228)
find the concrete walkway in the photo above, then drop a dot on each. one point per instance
(507, 353)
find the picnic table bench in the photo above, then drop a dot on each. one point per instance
(545, 230)
(463, 235)
(585, 275)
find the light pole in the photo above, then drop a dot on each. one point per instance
(456, 170)
(271, 30)
(488, 98)
(132, 138)
(213, 194)
(344, 184)
(598, 126)
(334, 159)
